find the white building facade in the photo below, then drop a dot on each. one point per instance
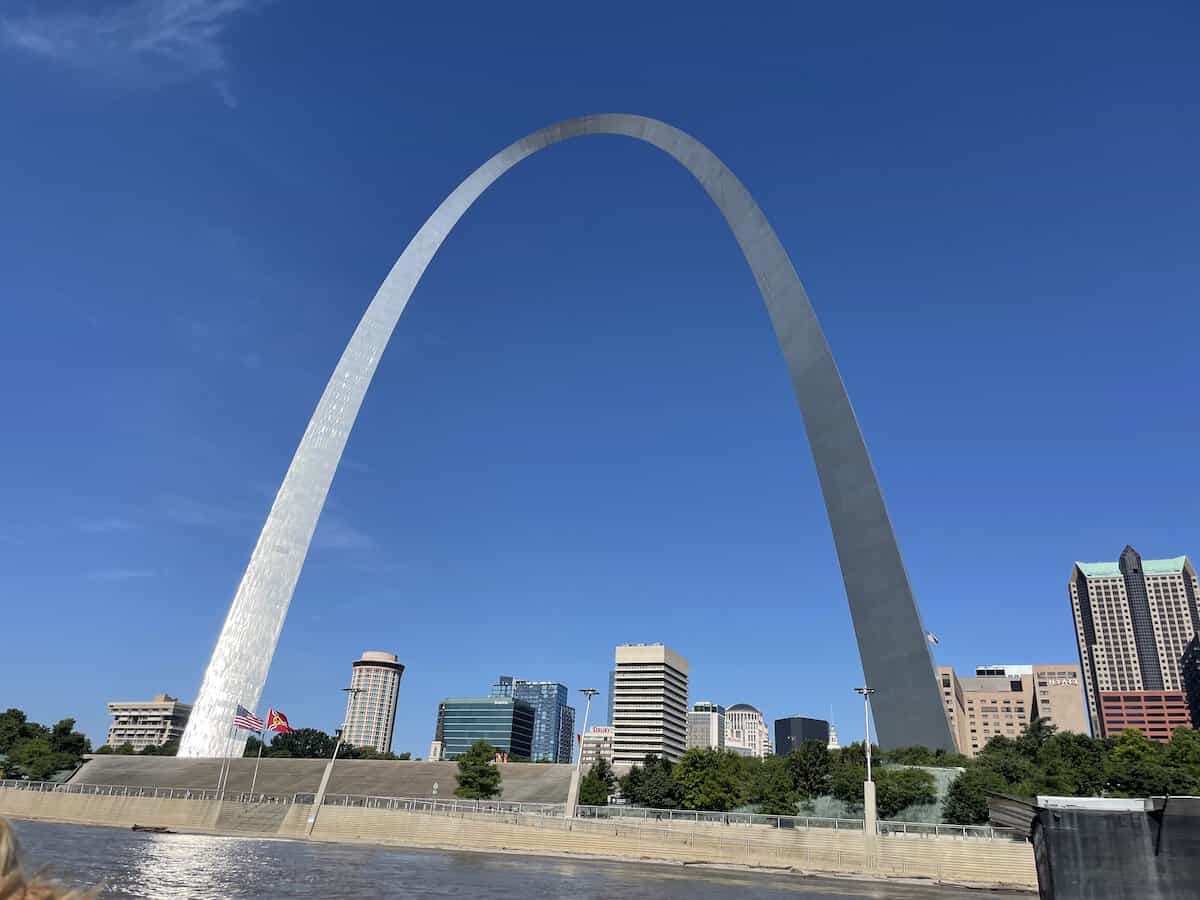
(147, 723)
(746, 731)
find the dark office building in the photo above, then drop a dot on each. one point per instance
(793, 731)
(1189, 663)
(504, 722)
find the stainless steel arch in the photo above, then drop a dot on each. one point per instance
(891, 639)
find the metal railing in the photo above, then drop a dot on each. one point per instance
(435, 805)
(931, 829)
(125, 790)
(717, 818)
(456, 806)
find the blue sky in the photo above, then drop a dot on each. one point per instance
(582, 433)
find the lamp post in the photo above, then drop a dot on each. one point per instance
(866, 695)
(573, 792)
(320, 798)
(870, 829)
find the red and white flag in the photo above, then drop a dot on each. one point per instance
(277, 721)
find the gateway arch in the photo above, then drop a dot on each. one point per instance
(891, 638)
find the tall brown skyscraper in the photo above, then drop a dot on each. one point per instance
(1133, 619)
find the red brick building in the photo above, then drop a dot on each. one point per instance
(1154, 713)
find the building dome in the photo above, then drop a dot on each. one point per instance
(744, 707)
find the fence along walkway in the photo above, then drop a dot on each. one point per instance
(457, 806)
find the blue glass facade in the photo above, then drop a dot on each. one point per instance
(504, 722)
(554, 720)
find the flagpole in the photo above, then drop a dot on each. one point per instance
(225, 761)
(230, 743)
(261, 740)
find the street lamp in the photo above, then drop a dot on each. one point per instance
(320, 798)
(866, 695)
(573, 793)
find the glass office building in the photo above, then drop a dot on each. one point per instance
(554, 720)
(504, 722)
(793, 731)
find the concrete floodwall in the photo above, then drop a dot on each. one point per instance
(961, 860)
(522, 782)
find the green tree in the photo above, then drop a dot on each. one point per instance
(478, 774)
(1138, 767)
(811, 768)
(1183, 753)
(776, 791)
(898, 789)
(708, 779)
(65, 739)
(1008, 759)
(36, 759)
(598, 784)
(170, 748)
(404, 755)
(651, 784)
(847, 783)
(1068, 765)
(966, 800)
(303, 743)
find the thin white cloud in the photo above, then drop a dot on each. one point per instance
(105, 525)
(121, 574)
(334, 533)
(160, 41)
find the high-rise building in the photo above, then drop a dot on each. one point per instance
(706, 726)
(504, 722)
(650, 696)
(554, 720)
(371, 703)
(597, 744)
(1189, 665)
(793, 731)
(1003, 700)
(147, 723)
(746, 731)
(1133, 618)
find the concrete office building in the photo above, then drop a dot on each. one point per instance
(1133, 618)
(147, 723)
(706, 726)
(1189, 665)
(650, 696)
(746, 731)
(597, 744)
(504, 722)
(1002, 700)
(554, 719)
(792, 731)
(371, 703)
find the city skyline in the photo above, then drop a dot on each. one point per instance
(970, 272)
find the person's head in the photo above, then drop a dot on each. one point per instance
(14, 885)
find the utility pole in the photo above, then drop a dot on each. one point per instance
(573, 792)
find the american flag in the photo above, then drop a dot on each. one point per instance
(243, 718)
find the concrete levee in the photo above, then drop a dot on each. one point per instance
(978, 861)
(522, 782)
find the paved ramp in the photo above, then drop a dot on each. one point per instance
(522, 782)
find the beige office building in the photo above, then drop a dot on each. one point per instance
(147, 723)
(1133, 619)
(1002, 700)
(746, 731)
(371, 705)
(706, 726)
(597, 744)
(650, 703)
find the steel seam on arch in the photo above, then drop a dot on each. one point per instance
(891, 637)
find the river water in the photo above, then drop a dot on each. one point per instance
(130, 864)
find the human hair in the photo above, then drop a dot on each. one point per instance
(15, 886)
